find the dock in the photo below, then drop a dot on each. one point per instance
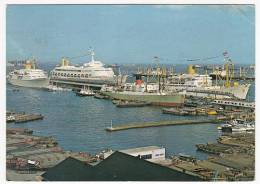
(161, 123)
(14, 117)
(28, 156)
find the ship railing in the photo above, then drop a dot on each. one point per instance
(211, 92)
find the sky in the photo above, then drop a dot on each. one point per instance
(131, 33)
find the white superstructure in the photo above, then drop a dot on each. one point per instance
(235, 103)
(93, 72)
(29, 76)
(189, 81)
(193, 84)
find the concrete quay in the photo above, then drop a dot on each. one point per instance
(14, 117)
(161, 123)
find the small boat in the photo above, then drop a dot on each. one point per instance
(56, 88)
(190, 104)
(85, 92)
(237, 125)
(250, 126)
(174, 111)
(212, 112)
(115, 101)
(186, 157)
(238, 128)
(99, 96)
(131, 104)
(10, 118)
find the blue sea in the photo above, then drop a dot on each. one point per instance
(78, 123)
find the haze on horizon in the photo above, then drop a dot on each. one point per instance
(131, 33)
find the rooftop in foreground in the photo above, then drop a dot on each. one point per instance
(140, 149)
(117, 167)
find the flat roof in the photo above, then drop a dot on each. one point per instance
(140, 149)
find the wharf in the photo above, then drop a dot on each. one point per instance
(22, 117)
(161, 123)
(28, 155)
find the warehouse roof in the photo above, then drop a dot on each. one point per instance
(117, 167)
(141, 149)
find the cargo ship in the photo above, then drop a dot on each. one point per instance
(193, 84)
(142, 92)
(168, 100)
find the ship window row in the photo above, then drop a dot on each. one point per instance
(100, 70)
(71, 75)
(68, 70)
(235, 103)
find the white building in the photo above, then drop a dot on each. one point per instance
(149, 153)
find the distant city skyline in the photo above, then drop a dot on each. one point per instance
(177, 34)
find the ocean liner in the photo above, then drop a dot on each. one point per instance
(93, 73)
(29, 76)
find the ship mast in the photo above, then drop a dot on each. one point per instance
(33, 63)
(227, 63)
(158, 70)
(206, 73)
(92, 53)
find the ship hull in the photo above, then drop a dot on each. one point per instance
(36, 83)
(91, 81)
(238, 91)
(173, 100)
(219, 92)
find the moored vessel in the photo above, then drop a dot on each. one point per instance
(85, 92)
(143, 92)
(93, 73)
(29, 76)
(169, 100)
(131, 104)
(237, 125)
(193, 84)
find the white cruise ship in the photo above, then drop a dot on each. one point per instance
(91, 74)
(29, 76)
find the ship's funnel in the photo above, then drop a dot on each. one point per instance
(64, 62)
(28, 64)
(191, 70)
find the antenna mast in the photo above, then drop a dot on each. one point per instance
(92, 53)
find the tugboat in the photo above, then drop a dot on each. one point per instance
(85, 92)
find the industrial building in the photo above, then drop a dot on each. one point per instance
(149, 153)
(117, 167)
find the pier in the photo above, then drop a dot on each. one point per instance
(161, 123)
(13, 117)
(28, 156)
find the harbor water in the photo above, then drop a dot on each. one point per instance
(78, 123)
